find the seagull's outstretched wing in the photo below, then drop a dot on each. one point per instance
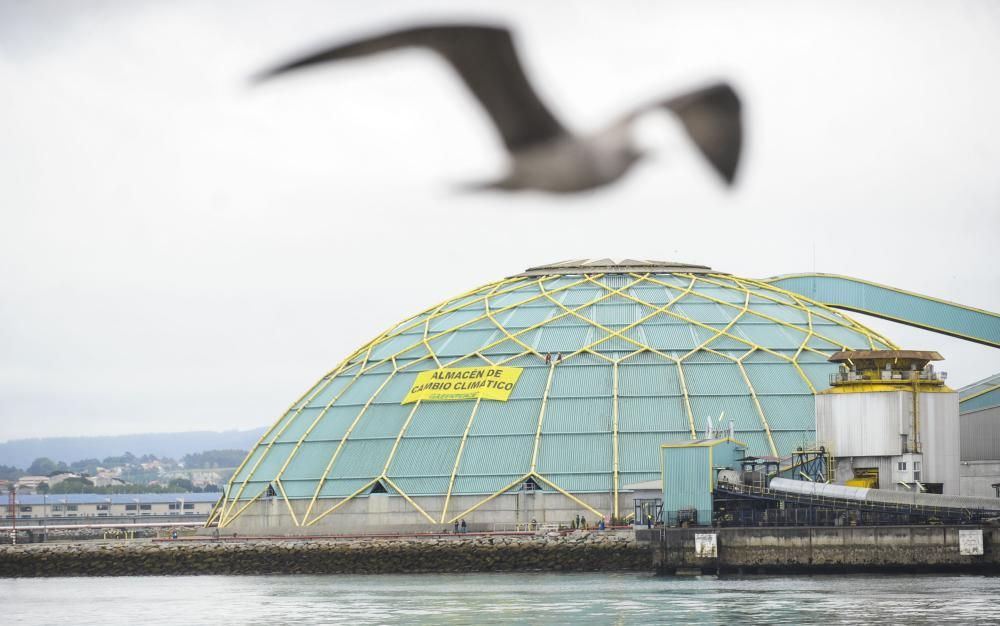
(483, 56)
(712, 117)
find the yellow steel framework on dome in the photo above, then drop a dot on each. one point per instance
(458, 457)
(614, 436)
(224, 515)
(601, 340)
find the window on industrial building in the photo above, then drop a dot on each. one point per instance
(145, 507)
(57, 507)
(173, 506)
(902, 465)
(26, 509)
(188, 505)
(916, 466)
(129, 507)
(102, 507)
(72, 507)
(903, 437)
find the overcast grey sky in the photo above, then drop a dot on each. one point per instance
(180, 251)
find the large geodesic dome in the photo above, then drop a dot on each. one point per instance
(602, 362)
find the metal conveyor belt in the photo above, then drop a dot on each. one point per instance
(912, 309)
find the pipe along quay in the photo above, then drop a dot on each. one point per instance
(668, 551)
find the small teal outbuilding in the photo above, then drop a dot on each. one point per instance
(690, 472)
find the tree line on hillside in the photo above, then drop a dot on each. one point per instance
(132, 469)
(9, 472)
(21, 452)
(83, 485)
(214, 459)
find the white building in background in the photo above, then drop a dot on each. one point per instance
(101, 480)
(29, 484)
(76, 505)
(55, 479)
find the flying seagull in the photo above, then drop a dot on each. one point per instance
(544, 155)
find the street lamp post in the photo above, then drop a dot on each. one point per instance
(180, 513)
(45, 515)
(135, 520)
(12, 508)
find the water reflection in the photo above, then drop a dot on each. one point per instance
(502, 599)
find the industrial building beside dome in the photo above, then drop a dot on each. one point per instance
(609, 360)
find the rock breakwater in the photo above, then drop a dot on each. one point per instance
(574, 552)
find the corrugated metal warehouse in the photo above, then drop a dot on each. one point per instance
(979, 408)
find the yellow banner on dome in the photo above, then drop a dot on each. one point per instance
(464, 383)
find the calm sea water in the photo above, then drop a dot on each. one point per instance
(501, 599)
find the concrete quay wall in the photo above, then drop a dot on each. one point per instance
(575, 552)
(823, 550)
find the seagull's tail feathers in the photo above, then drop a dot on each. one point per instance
(712, 117)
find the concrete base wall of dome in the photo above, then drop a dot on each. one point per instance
(392, 513)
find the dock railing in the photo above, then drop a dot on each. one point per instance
(892, 510)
